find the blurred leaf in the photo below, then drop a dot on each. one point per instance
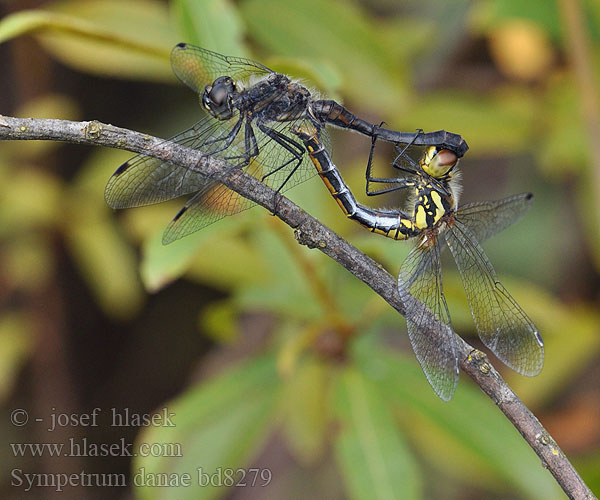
(29, 262)
(30, 198)
(142, 223)
(106, 261)
(488, 14)
(296, 339)
(218, 319)
(521, 49)
(310, 72)
(564, 149)
(587, 205)
(280, 256)
(370, 452)
(212, 24)
(479, 443)
(292, 28)
(501, 122)
(306, 413)
(220, 424)
(16, 343)
(589, 468)
(46, 106)
(571, 343)
(217, 254)
(58, 106)
(98, 36)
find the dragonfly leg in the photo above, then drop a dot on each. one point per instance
(401, 183)
(402, 153)
(294, 148)
(250, 147)
(226, 140)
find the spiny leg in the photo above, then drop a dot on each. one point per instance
(289, 145)
(228, 139)
(250, 147)
(402, 182)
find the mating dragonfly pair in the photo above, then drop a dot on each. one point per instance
(263, 122)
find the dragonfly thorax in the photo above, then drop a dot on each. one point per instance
(217, 98)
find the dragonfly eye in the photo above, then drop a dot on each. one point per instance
(439, 163)
(217, 98)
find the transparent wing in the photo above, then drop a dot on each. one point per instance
(485, 219)
(428, 321)
(214, 201)
(143, 180)
(198, 67)
(502, 325)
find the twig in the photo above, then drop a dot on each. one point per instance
(312, 233)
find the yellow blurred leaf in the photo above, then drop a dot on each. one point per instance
(296, 341)
(30, 198)
(521, 49)
(107, 262)
(100, 36)
(47, 106)
(306, 412)
(28, 260)
(16, 342)
(219, 320)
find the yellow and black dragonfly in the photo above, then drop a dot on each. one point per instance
(435, 220)
(250, 111)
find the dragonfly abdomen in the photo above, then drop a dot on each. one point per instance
(328, 111)
(394, 224)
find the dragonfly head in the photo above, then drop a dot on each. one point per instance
(218, 98)
(438, 162)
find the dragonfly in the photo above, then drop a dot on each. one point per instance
(250, 111)
(435, 221)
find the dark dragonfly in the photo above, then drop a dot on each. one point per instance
(435, 220)
(251, 112)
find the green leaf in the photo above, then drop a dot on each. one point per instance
(589, 468)
(325, 30)
(371, 453)
(97, 36)
(321, 74)
(495, 124)
(306, 410)
(216, 254)
(280, 255)
(219, 320)
(488, 15)
(107, 262)
(212, 24)
(220, 425)
(477, 440)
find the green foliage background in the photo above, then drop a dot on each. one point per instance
(291, 364)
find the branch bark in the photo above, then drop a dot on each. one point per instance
(310, 232)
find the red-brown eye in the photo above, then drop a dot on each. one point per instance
(446, 158)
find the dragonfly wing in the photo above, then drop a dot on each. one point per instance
(143, 180)
(209, 205)
(273, 155)
(502, 325)
(427, 318)
(485, 219)
(197, 67)
(214, 201)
